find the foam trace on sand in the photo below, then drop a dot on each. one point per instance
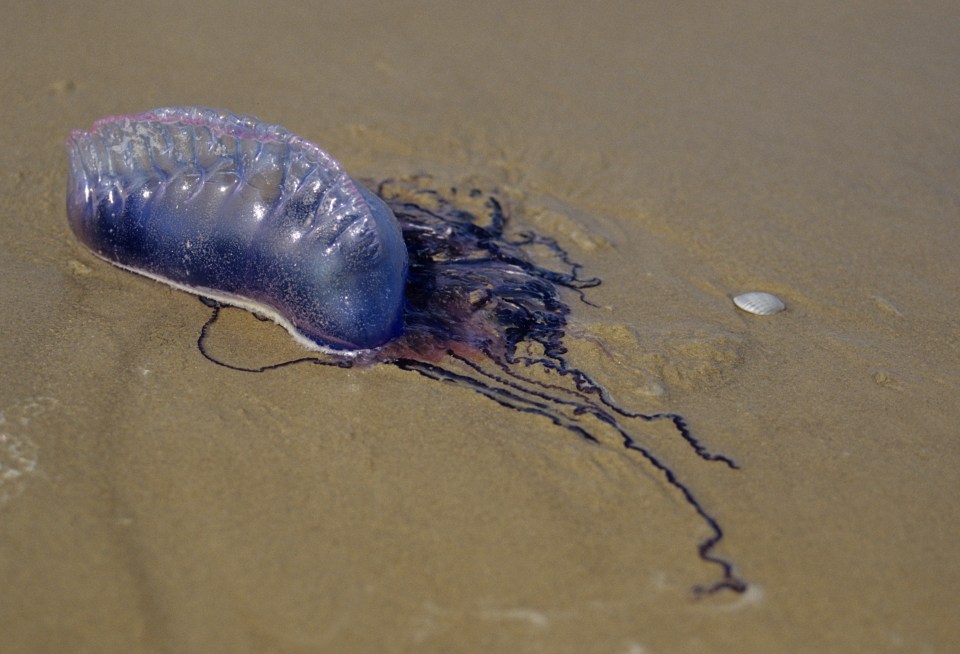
(19, 454)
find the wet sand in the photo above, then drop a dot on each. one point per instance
(151, 501)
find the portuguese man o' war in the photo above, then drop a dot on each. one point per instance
(439, 282)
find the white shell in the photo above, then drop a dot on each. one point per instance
(758, 303)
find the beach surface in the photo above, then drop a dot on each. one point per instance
(152, 501)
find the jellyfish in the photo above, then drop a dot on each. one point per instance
(439, 282)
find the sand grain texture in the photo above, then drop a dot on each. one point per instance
(152, 502)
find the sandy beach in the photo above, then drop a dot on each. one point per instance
(152, 501)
